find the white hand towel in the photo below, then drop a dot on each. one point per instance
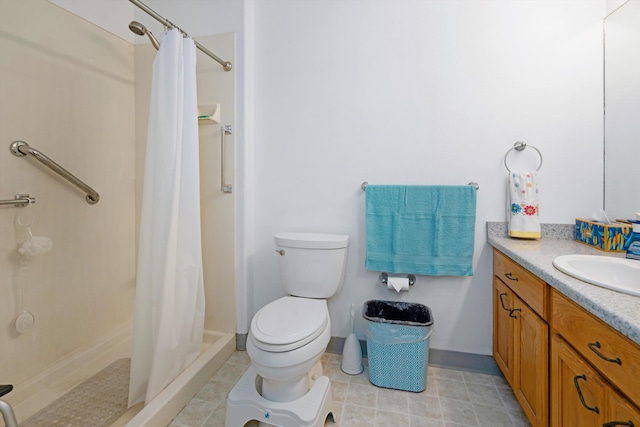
(523, 214)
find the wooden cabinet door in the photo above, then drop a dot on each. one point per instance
(621, 412)
(521, 350)
(503, 329)
(531, 376)
(578, 394)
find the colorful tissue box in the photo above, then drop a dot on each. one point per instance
(613, 237)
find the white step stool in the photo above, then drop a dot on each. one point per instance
(311, 410)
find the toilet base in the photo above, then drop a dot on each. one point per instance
(311, 410)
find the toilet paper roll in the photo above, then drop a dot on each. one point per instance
(398, 284)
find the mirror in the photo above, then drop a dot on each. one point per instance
(622, 111)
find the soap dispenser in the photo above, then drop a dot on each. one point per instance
(633, 252)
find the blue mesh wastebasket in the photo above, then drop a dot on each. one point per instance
(398, 343)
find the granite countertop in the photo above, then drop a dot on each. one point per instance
(620, 311)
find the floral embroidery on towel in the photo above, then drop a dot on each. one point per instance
(524, 209)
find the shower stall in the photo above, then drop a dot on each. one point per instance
(81, 95)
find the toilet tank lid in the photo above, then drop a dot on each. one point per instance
(311, 240)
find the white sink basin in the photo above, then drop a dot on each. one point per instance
(619, 274)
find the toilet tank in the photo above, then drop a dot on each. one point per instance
(311, 265)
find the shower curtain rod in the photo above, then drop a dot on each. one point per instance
(226, 65)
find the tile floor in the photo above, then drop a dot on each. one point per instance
(452, 398)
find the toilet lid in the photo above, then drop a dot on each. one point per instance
(289, 323)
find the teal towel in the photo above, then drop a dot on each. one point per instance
(421, 229)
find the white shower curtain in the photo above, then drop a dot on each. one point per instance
(169, 307)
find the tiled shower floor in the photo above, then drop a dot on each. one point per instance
(452, 398)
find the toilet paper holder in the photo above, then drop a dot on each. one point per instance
(384, 278)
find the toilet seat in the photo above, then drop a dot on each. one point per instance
(289, 323)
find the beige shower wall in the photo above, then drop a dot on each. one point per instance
(215, 86)
(67, 88)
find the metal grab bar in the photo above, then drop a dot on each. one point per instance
(224, 130)
(21, 148)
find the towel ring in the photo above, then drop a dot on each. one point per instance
(519, 146)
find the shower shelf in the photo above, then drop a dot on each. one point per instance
(209, 119)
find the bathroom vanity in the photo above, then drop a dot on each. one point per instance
(569, 350)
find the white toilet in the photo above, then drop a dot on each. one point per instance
(288, 336)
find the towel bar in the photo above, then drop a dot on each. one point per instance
(475, 184)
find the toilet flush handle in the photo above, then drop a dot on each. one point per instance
(280, 251)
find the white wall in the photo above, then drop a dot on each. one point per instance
(612, 5)
(113, 16)
(419, 92)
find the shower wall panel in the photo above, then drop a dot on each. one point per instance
(66, 88)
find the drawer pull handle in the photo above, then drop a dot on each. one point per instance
(510, 310)
(593, 345)
(575, 382)
(510, 277)
(618, 423)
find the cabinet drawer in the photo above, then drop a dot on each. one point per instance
(529, 288)
(614, 355)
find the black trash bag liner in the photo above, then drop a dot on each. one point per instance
(400, 313)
